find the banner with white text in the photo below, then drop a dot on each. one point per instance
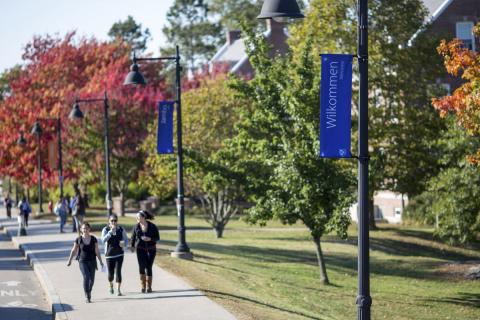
(336, 106)
(165, 127)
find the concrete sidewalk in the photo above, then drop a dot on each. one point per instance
(48, 252)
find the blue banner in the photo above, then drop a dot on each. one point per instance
(336, 106)
(165, 127)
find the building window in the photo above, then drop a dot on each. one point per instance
(465, 33)
(398, 211)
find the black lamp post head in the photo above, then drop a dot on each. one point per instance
(21, 140)
(76, 113)
(280, 10)
(134, 76)
(37, 129)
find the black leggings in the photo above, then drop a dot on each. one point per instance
(145, 261)
(114, 265)
(26, 220)
(88, 271)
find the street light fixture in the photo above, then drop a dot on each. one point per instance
(77, 114)
(273, 9)
(21, 141)
(136, 78)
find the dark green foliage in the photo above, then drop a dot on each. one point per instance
(451, 200)
(131, 32)
(190, 26)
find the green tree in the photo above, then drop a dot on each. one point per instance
(402, 124)
(130, 32)
(450, 201)
(233, 12)
(191, 27)
(276, 148)
(209, 112)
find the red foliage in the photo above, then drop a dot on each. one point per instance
(55, 71)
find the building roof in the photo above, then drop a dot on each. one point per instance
(233, 54)
(435, 8)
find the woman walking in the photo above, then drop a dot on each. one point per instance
(112, 236)
(61, 211)
(144, 238)
(85, 248)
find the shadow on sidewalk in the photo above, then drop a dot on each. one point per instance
(22, 313)
(49, 251)
(229, 296)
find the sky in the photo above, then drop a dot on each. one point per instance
(22, 19)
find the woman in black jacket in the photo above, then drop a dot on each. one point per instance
(85, 248)
(144, 239)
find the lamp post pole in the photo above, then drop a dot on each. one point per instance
(60, 160)
(76, 113)
(39, 163)
(364, 301)
(182, 243)
(37, 130)
(135, 77)
(107, 153)
(284, 9)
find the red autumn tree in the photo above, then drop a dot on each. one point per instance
(55, 72)
(464, 103)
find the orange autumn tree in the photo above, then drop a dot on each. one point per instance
(464, 103)
(55, 71)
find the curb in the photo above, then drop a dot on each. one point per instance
(58, 312)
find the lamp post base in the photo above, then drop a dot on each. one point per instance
(182, 255)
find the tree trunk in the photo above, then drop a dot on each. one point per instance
(371, 215)
(219, 230)
(122, 204)
(321, 261)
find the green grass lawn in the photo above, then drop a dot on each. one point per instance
(272, 273)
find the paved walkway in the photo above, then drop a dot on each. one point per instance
(172, 298)
(21, 295)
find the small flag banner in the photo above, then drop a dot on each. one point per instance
(52, 154)
(336, 106)
(165, 127)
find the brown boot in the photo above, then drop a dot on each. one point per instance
(149, 284)
(143, 282)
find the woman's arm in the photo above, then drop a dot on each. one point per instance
(106, 235)
(125, 238)
(97, 252)
(133, 238)
(73, 252)
(155, 234)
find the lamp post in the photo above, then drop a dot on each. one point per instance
(284, 9)
(136, 78)
(37, 130)
(76, 113)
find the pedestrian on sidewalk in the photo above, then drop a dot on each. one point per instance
(61, 211)
(78, 208)
(144, 240)
(112, 236)
(85, 248)
(8, 206)
(25, 210)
